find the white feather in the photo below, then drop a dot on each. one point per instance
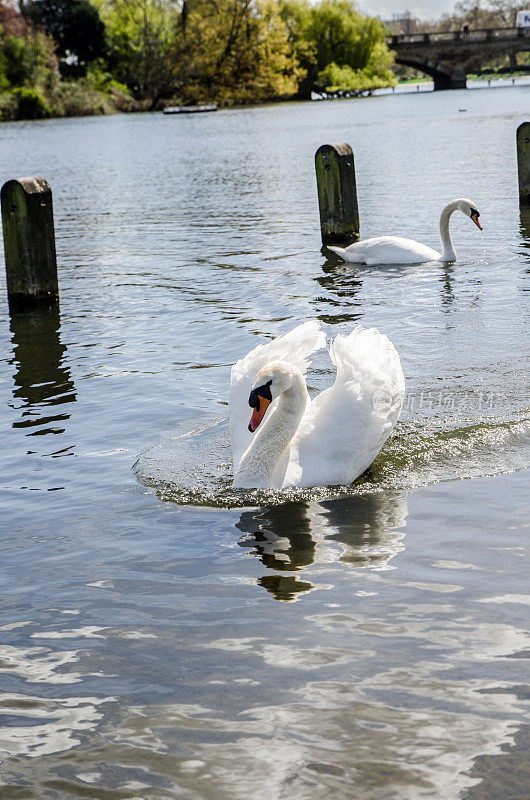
(398, 250)
(387, 250)
(344, 428)
(294, 348)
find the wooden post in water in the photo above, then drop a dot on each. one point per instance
(29, 242)
(337, 194)
(523, 162)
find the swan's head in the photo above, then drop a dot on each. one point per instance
(469, 208)
(271, 381)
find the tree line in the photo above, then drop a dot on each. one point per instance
(478, 15)
(72, 57)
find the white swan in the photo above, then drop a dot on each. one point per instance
(327, 441)
(397, 250)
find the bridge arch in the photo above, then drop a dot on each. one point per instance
(442, 80)
(448, 55)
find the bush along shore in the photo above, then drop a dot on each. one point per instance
(75, 57)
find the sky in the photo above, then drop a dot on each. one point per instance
(424, 9)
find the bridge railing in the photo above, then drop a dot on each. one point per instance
(479, 35)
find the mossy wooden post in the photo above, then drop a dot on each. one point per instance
(29, 242)
(523, 162)
(337, 194)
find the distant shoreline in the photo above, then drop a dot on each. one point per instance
(400, 88)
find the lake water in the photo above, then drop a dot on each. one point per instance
(162, 637)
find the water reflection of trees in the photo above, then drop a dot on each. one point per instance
(359, 531)
(41, 378)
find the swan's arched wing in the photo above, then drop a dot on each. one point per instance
(398, 250)
(294, 347)
(388, 250)
(345, 427)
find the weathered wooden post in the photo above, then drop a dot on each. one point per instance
(29, 242)
(337, 194)
(523, 162)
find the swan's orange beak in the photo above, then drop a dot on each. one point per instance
(474, 217)
(258, 413)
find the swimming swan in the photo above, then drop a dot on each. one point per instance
(397, 250)
(302, 442)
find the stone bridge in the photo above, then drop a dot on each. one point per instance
(448, 56)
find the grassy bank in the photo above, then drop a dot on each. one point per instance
(79, 98)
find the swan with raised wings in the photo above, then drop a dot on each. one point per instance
(398, 250)
(292, 440)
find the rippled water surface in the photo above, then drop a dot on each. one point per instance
(163, 636)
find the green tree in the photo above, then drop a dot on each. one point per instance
(27, 60)
(480, 14)
(334, 32)
(28, 67)
(142, 40)
(26, 56)
(74, 25)
(236, 51)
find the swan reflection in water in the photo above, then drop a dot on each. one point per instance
(359, 531)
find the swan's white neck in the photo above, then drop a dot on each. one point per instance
(448, 251)
(258, 462)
